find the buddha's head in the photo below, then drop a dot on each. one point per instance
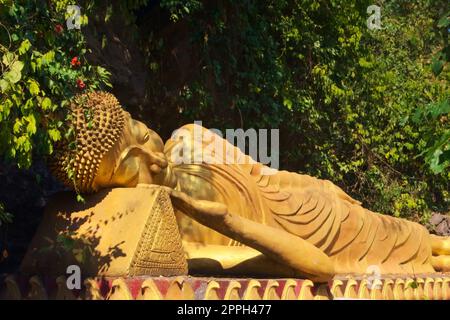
(109, 149)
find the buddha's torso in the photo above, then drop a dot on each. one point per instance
(313, 209)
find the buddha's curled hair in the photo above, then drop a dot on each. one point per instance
(97, 120)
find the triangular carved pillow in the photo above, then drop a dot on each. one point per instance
(116, 232)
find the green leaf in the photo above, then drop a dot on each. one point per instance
(5, 216)
(78, 255)
(17, 126)
(364, 63)
(66, 242)
(436, 66)
(24, 46)
(443, 22)
(14, 74)
(414, 285)
(17, 66)
(33, 87)
(23, 143)
(435, 164)
(440, 108)
(438, 155)
(4, 85)
(109, 11)
(104, 40)
(54, 134)
(8, 58)
(46, 103)
(287, 103)
(48, 57)
(31, 126)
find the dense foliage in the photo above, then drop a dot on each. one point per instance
(438, 155)
(367, 109)
(43, 66)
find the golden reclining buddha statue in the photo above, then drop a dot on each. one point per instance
(240, 218)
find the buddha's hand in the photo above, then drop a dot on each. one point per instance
(157, 161)
(205, 212)
(154, 160)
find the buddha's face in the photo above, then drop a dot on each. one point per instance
(137, 157)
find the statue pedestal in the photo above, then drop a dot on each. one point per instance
(116, 232)
(430, 287)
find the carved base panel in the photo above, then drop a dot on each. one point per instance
(426, 287)
(119, 232)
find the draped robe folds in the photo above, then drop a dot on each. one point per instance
(356, 239)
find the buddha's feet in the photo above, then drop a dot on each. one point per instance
(441, 253)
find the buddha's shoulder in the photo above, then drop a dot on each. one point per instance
(191, 127)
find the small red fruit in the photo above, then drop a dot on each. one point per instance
(75, 62)
(59, 28)
(80, 84)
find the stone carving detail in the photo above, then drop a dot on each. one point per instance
(159, 251)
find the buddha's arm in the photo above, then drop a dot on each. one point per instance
(281, 246)
(233, 260)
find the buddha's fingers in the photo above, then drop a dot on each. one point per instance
(199, 210)
(440, 245)
(277, 244)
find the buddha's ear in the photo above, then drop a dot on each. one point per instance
(126, 155)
